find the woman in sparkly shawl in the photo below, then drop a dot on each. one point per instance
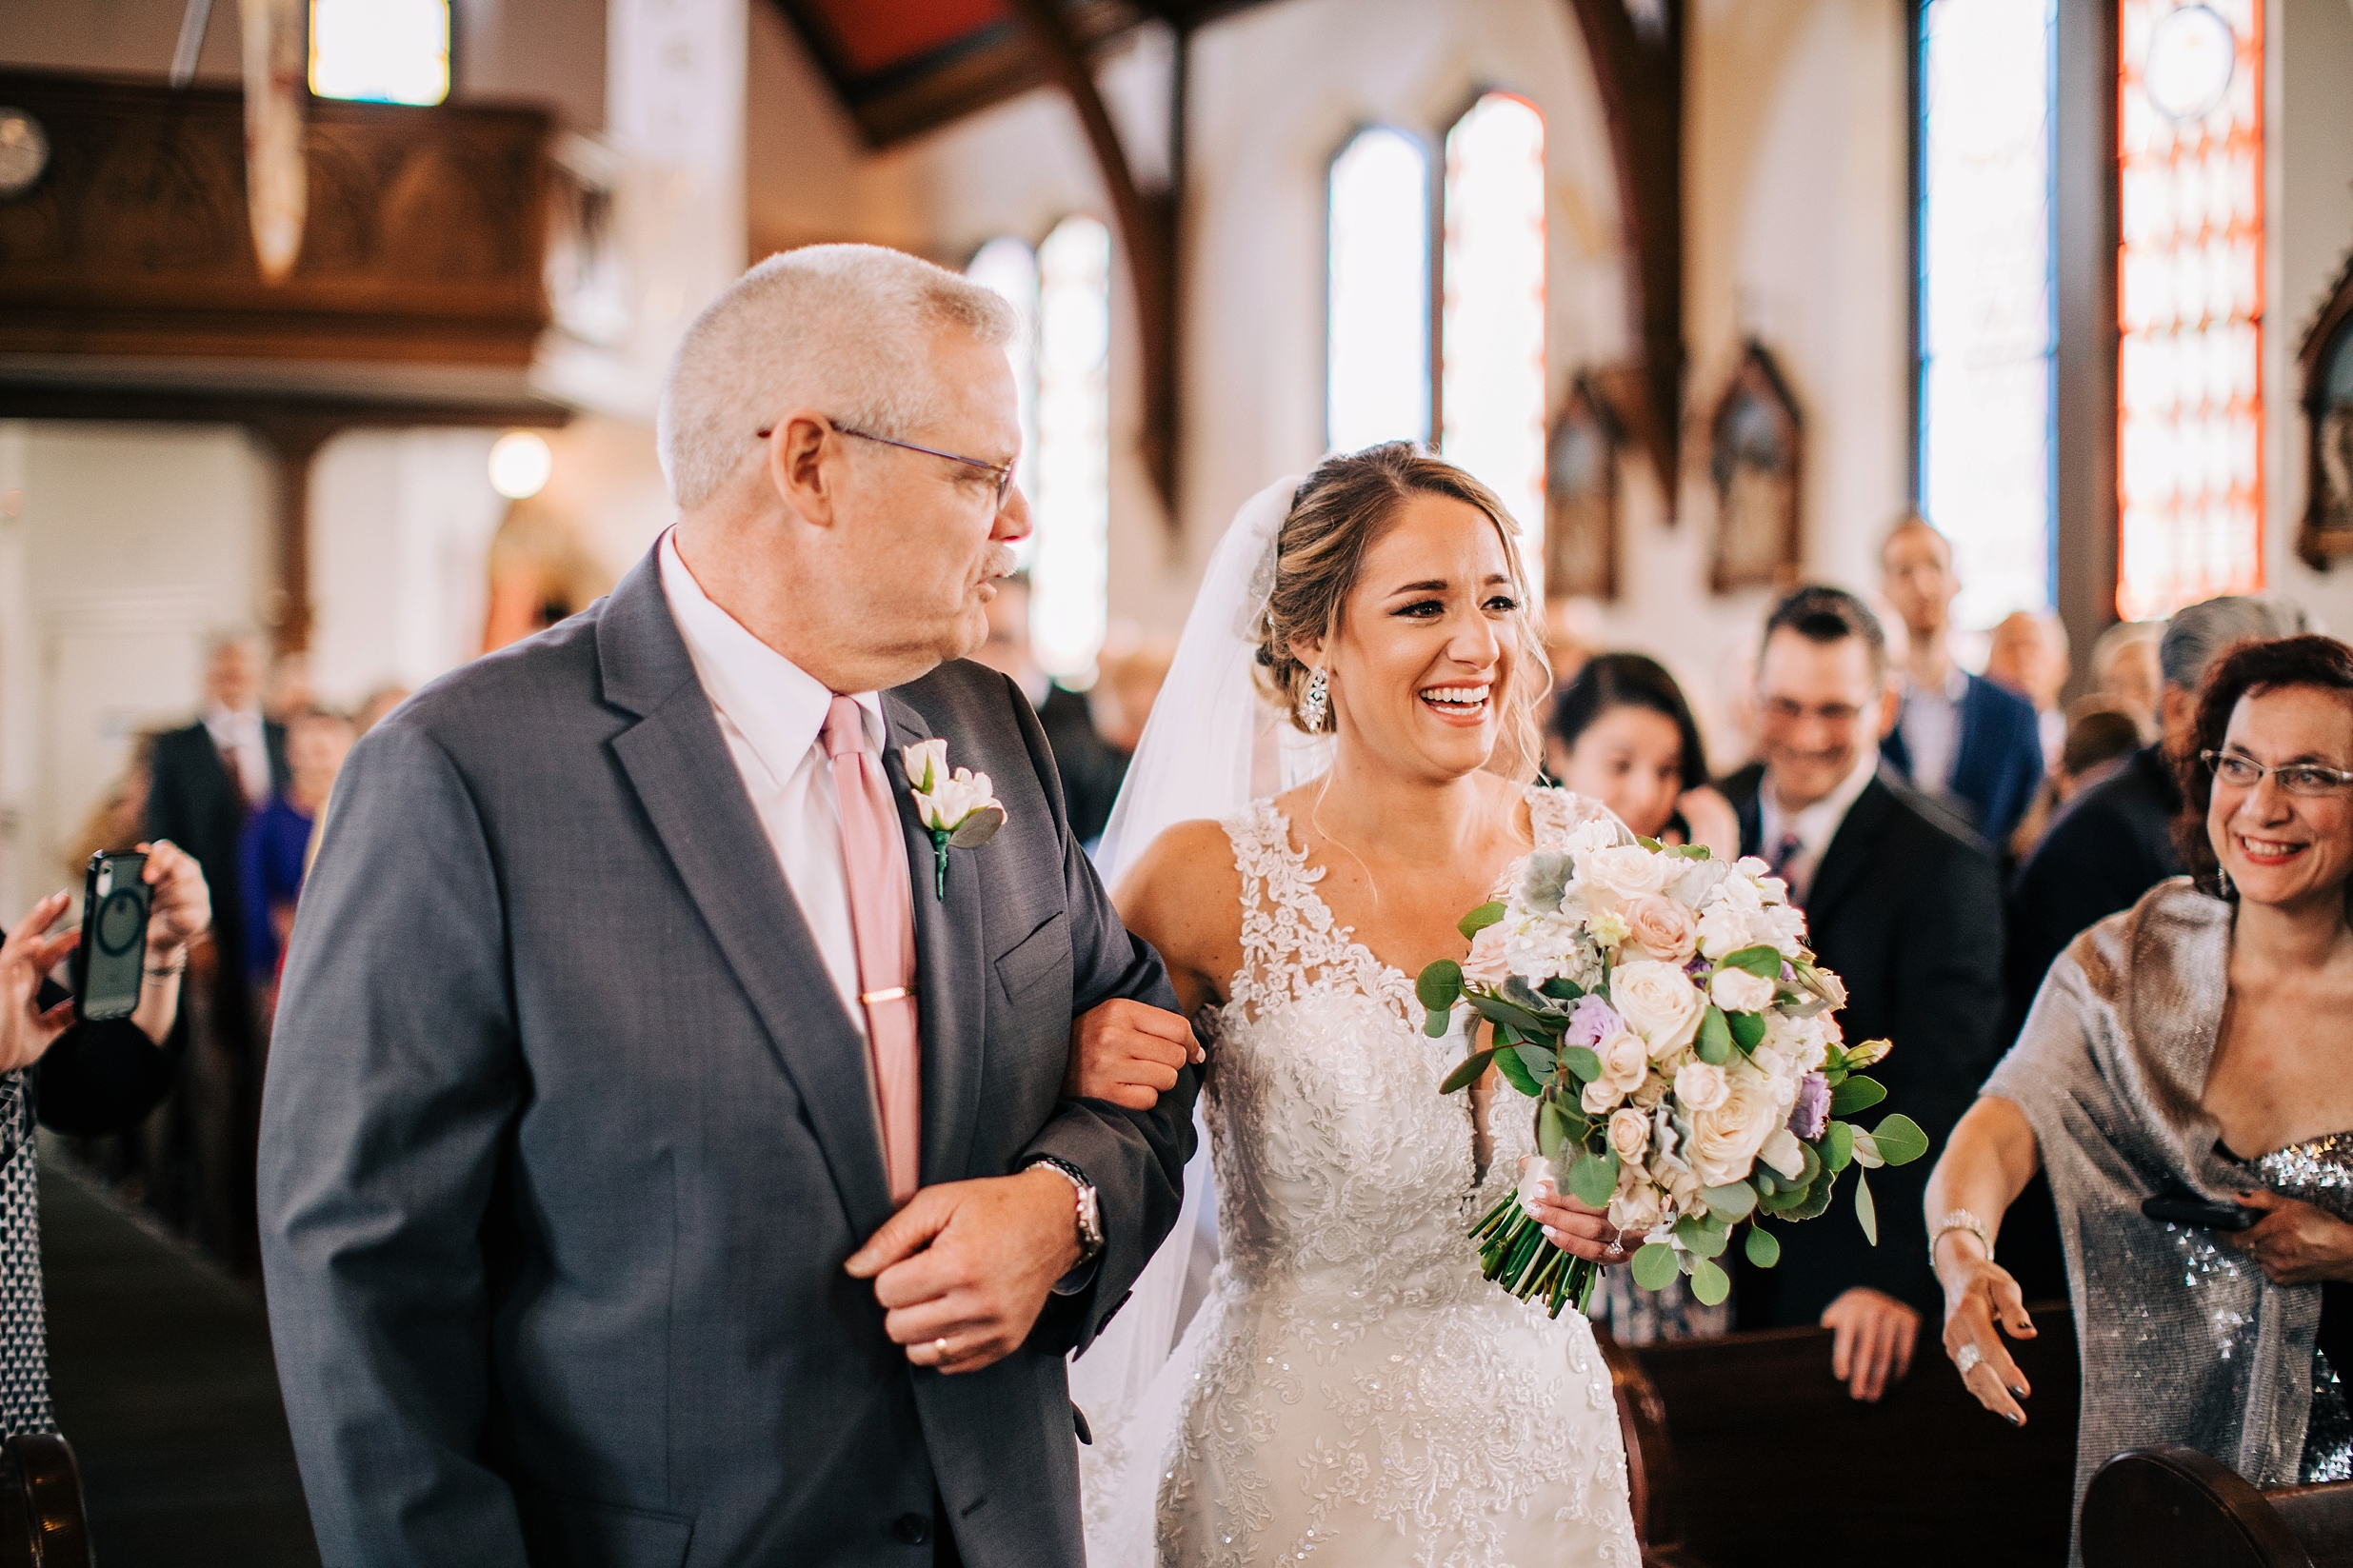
(2196, 1045)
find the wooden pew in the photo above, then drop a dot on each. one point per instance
(1744, 1453)
(2174, 1507)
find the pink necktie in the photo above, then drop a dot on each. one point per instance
(882, 918)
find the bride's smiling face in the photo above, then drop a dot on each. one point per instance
(1429, 641)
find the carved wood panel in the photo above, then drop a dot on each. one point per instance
(423, 244)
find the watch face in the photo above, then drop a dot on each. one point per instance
(24, 151)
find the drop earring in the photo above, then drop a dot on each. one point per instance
(1311, 706)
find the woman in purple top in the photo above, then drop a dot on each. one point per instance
(276, 847)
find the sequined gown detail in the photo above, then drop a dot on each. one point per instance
(1359, 1395)
(2321, 1173)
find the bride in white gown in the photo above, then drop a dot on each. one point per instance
(1351, 1390)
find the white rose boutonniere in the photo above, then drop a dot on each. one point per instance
(961, 809)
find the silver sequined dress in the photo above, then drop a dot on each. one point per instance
(2321, 1173)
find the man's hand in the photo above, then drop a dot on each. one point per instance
(965, 1268)
(1129, 1053)
(25, 1031)
(1873, 1347)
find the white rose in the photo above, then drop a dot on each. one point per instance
(1658, 1002)
(1738, 991)
(950, 800)
(1784, 1153)
(1626, 1060)
(1599, 1097)
(1726, 928)
(1725, 1140)
(925, 760)
(1664, 929)
(1695, 880)
(1489, 962)
(1635, 1208)
(1629, 1134)
(1592, 834)
(1701, 1087)
(1625, 871)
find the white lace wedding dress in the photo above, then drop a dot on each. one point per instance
(1352, 1391)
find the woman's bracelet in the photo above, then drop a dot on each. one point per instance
(1963, 1220)
(169, 970)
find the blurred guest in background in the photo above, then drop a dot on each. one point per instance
(2230, 1087)
(2124, 671)
(276, 851)
(1090, 771)
(377, 704)
(288, 691)
(2028, 655)
(208, 777)
(118, 821)
(1908, 911)
(1124, 692)
(2100, 741)
(80, 1078)
(1622, 734)
(1957, 738)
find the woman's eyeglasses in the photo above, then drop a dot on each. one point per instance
(1002, 473)
(2241, 772)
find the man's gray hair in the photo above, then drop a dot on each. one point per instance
(840, 328)
(2197, 634)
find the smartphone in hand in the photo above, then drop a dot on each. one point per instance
(2180, 1207)
(109, 966)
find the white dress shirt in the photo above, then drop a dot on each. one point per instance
(772, 714)
(1932, 730)
(1815, 825)
(245, 744)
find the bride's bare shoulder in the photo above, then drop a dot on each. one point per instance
(1189, 863)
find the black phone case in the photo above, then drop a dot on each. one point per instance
(110, 964)
(2184, 1208)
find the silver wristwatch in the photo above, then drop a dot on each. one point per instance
(1090, 1207)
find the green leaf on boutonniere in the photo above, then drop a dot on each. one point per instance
(1698, 1240)
(1515, 1073)
(1594, 1178)
(1762, 961)
(1899, 1140)
(1838, 1145)
(1730, 1203)
(1866, 1210)
(1479, 920)
(1440, 985)
(1582, 1063)
(1763, 1248)
(1747, 1030)
(977, 828)
(1710, 1284)
(1654, 1265)
(1857, 1093)
(1715, 1041)
(1467, 1072)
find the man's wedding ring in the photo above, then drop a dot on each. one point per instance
(1967, 1359)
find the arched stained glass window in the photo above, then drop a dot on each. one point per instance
(1377, 324)
(1070, 570)
(1011, 267)
(2190, 302)
(387, 52)
(1493, 324)
(1987, 328)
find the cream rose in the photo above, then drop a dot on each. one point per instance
(1489, 962)
(1635, 1209)
(1599, 1097)
(1725, 1140)
(1629, 1132)
(1701, 1087)
(1738, 991)
(1783, 1151)
(1625, 871)
(1658, 1002)
(1664, 929)
(1626, 1060)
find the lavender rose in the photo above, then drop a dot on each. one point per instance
(1592, 1020)
(1812, 1112)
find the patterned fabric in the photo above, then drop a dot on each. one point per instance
(2320, 1172)
(24, 1333)
(1357, 1393)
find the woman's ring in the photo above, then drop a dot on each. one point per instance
(939, 1351)
(1967, 1359)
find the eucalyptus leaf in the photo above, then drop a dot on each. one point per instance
(1441, 985)
(1515, 1073)
(1866, 1210)
(1438, 1022)
(1858, 1093)
(1816, 1201)
(1551, 1129)
(1838, 1145)
(1467, 1072)
(1747, 1029)
(1496, 1010)
(1866, 1151)
(1785, 1202)
(1594, 1178)
(1715, 1041)
(1479, 920)
(1763, 1247)
(977, 828)
(1561, 988)
(1710, 1284)
(1698, 1240)
(1762, 961)
(1813, 1167)
(1655, 1265)
(1538, 1059)
(1734, 1201)
(1583, 1064)
(1899, 1140)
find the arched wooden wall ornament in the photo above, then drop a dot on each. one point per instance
(2325, 533)
(1636, 50)
(1581, 497)
(1756, 452)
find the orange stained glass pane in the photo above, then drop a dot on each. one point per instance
(2189, 301)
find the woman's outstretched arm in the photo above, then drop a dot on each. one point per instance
(1986, 1163)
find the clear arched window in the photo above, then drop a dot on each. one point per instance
(1011, 267)
(1491, 328)
(1987, 329)
(1376, 357)
(1070, 570)
(387, 52)
(2190, 298)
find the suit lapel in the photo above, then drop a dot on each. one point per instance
(679, 765)
(1849, 854)
(950, 966)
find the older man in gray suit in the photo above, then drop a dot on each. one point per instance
(662, 1161)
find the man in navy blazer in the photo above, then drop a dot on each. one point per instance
(1959, 738)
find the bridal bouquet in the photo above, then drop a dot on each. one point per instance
(1662, 1009)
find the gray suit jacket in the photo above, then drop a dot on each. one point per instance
(566, 1135)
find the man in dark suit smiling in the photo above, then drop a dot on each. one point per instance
(1907, 908)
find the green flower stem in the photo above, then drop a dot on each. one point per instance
(1514, 1252)
(939, 864)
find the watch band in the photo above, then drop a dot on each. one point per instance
(1089, 1208)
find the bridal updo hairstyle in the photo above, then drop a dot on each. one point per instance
(2252, 668)
(1341, 512)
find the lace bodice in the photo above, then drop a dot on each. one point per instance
(1356, 1385)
